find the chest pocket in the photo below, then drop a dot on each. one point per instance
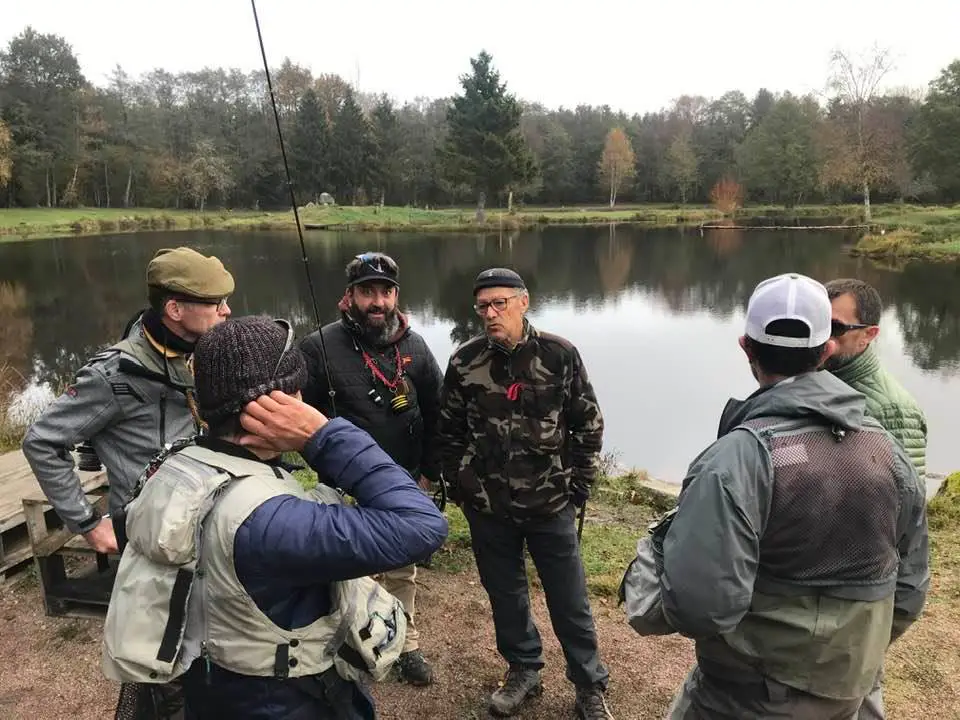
(542, 420)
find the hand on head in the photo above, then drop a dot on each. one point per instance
(279, 422)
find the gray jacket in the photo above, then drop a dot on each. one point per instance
(719, 583)
(127, 401)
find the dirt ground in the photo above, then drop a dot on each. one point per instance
(50, 667)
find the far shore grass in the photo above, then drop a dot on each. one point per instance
(896, 231)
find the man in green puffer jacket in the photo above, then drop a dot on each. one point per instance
(856, 322)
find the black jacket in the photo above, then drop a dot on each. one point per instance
(408, 437)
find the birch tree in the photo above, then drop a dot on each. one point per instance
(617, 162)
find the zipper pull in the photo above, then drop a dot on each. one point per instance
(206, 662)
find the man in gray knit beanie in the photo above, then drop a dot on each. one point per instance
(273, 557)
(240, 360)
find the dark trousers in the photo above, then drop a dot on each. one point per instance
(498, 548)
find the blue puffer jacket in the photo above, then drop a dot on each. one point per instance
(288, 551)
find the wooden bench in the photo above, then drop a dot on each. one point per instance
(16, 483)
(75, 580)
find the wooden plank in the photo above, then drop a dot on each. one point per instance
(17, 482)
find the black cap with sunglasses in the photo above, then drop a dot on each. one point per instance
(372, 267)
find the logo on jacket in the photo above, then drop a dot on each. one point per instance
(407, 359)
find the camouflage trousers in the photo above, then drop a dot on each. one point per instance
(705, 698)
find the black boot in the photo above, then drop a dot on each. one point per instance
(414, 669)
(591, 704)
(520, 684)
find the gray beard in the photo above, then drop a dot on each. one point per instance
(376, 335)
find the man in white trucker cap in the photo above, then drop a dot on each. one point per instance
(798, 549)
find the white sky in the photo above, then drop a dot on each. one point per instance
(632, 55)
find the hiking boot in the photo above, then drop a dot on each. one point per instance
(591, 704)
(414, 669)
(519, 684)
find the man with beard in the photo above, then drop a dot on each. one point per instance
(855, 325)
(386, 381)
(798, 550)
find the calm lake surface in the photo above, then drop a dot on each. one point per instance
(656, 313)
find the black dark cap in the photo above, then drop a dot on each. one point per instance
(372, 267)
(497, 277)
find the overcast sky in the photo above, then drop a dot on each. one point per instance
(632, 55)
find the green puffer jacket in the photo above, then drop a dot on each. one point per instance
(890, 403)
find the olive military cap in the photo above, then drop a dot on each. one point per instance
(186, 272)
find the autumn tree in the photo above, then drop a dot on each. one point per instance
(859, 151)
(6, 155)
(681, 164)
(484, 149)
(617, 162)
(727, 195)
(207, 173)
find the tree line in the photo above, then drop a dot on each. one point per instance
(195, 139)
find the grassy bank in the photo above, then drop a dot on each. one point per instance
(34, 223)
(911, 232)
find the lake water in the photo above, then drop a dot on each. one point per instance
(656, 313)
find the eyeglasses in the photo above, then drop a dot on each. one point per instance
(287, 346)
(378, 262)
(498, 304)
(221, 303)
(838, 328)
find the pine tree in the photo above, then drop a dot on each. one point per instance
(310, 148)
(484, 149)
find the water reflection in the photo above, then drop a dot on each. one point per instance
(655, 313)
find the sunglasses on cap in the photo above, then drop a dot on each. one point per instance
(838, 328)
(287, 346)
(378, 262)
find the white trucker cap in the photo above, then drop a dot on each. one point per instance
(790, 297)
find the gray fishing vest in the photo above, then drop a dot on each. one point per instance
(834, 512)
(822, 607)
(177, 597)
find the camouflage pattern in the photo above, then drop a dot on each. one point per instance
(519, 429)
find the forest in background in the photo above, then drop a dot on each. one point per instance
(207, 139)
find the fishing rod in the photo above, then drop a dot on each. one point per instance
(440, 497)
(296, 214)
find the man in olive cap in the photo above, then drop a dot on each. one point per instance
(520, 432)
(133, 398)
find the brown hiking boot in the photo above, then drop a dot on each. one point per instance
(519, 685)
(591, 704)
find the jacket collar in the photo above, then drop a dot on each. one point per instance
(859, 366)
(529, 333)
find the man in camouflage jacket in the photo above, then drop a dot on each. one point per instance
(521, 432)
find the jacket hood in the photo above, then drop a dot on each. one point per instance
(818, 395)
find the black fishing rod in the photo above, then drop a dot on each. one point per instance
(296, 214)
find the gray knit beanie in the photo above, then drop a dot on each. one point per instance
(234, 363)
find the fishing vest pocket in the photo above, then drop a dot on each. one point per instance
(139, 646)
(376, 632)
(640, 587)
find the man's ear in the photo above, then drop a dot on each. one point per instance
(745, 346)
(829, 349)
(872, 332)
(173, 310)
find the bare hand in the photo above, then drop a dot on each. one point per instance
(424, 483)
(279, 422)
(102, 538)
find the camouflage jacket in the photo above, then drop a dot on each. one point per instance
(518, 428)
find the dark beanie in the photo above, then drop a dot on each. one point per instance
(497, 277)
(234, 362)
